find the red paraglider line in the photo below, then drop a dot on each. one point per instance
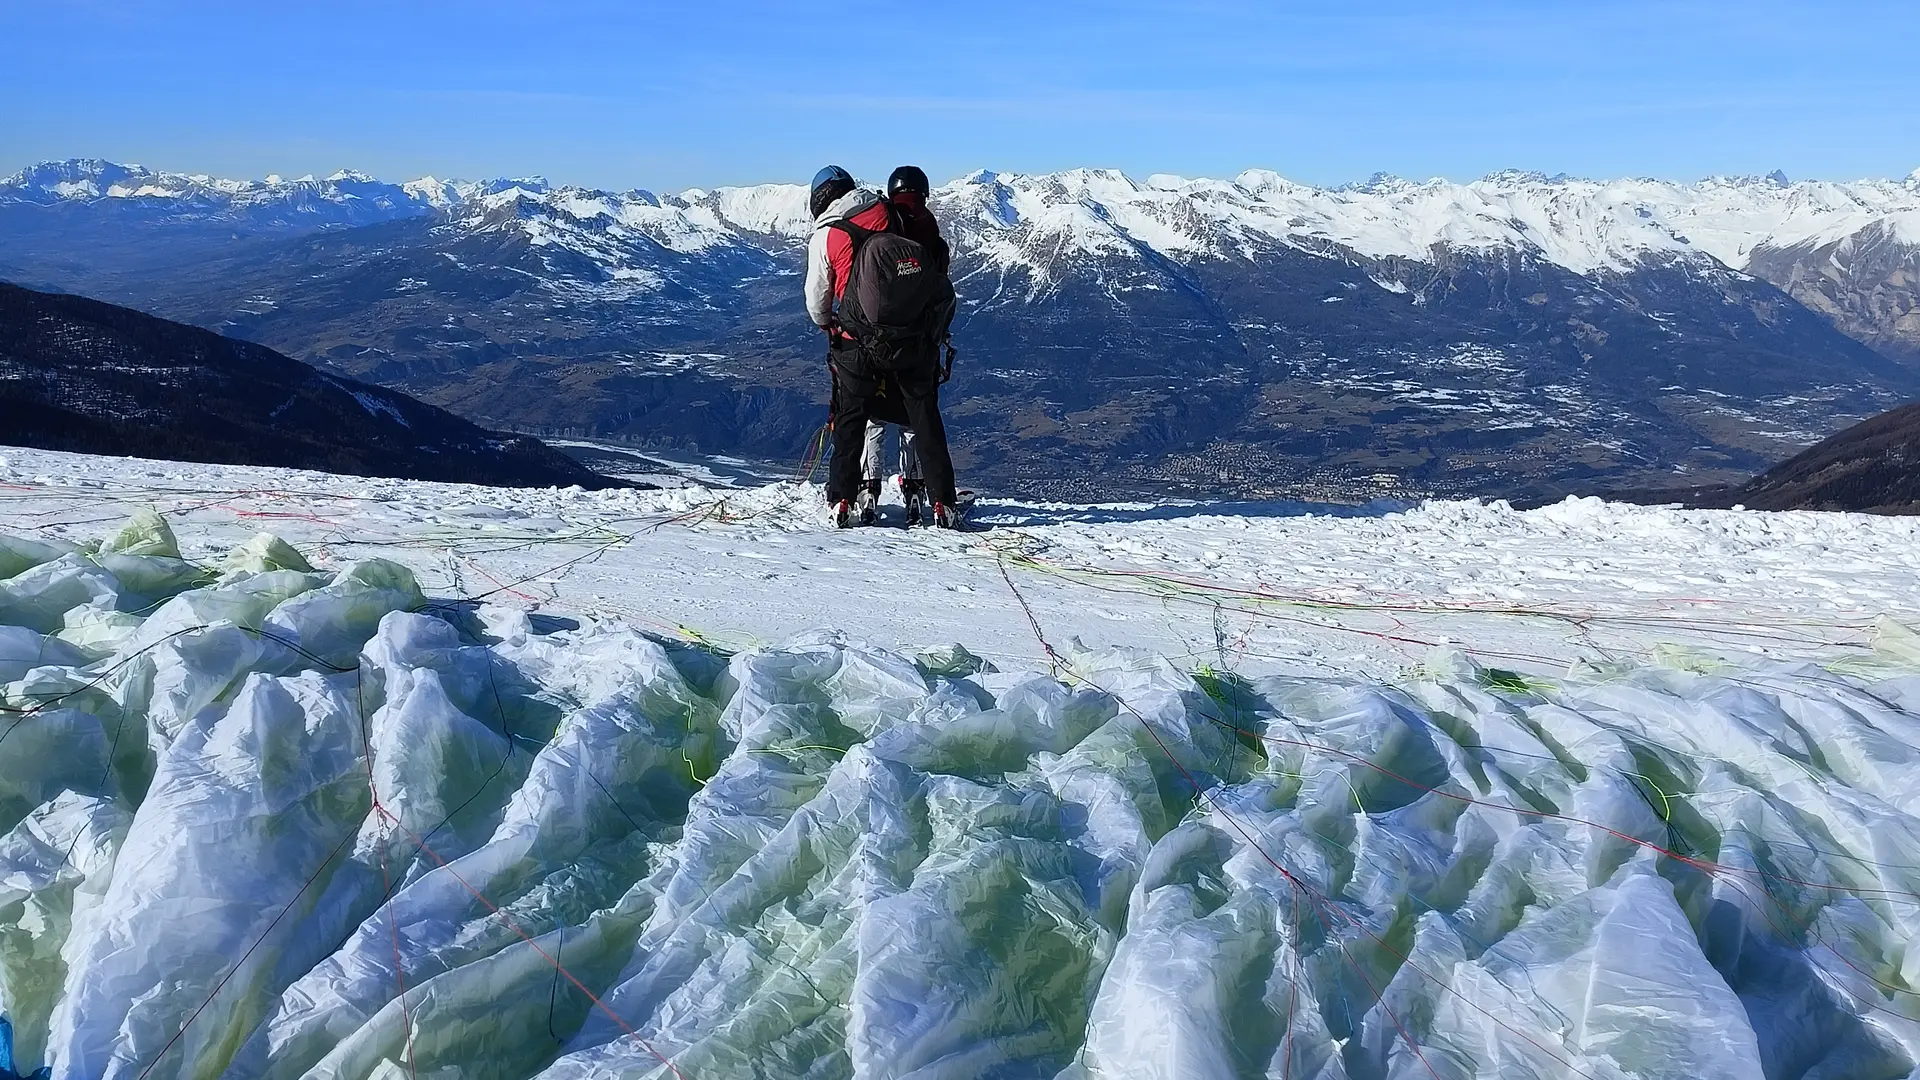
(399, 965)
(544, 954)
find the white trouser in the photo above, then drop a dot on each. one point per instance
(870, 455)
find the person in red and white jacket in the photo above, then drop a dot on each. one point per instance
(836, 197)
(858, 395)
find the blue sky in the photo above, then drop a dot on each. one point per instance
(673, 95)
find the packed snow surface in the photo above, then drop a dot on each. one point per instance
(450, 781)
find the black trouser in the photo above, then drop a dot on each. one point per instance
(912, 401)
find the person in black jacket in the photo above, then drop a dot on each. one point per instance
(907, 189)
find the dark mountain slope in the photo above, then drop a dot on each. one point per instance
(88, 377)
(1873, 466)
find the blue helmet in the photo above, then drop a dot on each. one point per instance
(829, 174)
(828, 184)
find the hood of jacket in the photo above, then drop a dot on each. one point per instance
(847, 205)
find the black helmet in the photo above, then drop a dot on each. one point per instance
(828, 184)
(908, 178)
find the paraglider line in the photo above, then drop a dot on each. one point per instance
(1323, 901)
(1201, 792)
(1320, 900)
(399, 965)
(235, 970)
(507, 920)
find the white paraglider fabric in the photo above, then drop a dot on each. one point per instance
(263, 821)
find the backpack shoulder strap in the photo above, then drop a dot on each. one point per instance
(895, 224)
(854, 232)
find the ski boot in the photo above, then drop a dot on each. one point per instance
(840, 514)
(868, 502)
(955, 516)
(913, 494)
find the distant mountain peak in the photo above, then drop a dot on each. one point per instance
(1777, 180)
(1518, 176)
(1261, 180)
(1380, 183)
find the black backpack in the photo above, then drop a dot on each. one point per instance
(897, 306)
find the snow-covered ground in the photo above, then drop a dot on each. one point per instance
(1255, 588)
(682, 783)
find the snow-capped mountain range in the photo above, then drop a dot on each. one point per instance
(1518, 330)
(348, 189)
(1582, 225)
